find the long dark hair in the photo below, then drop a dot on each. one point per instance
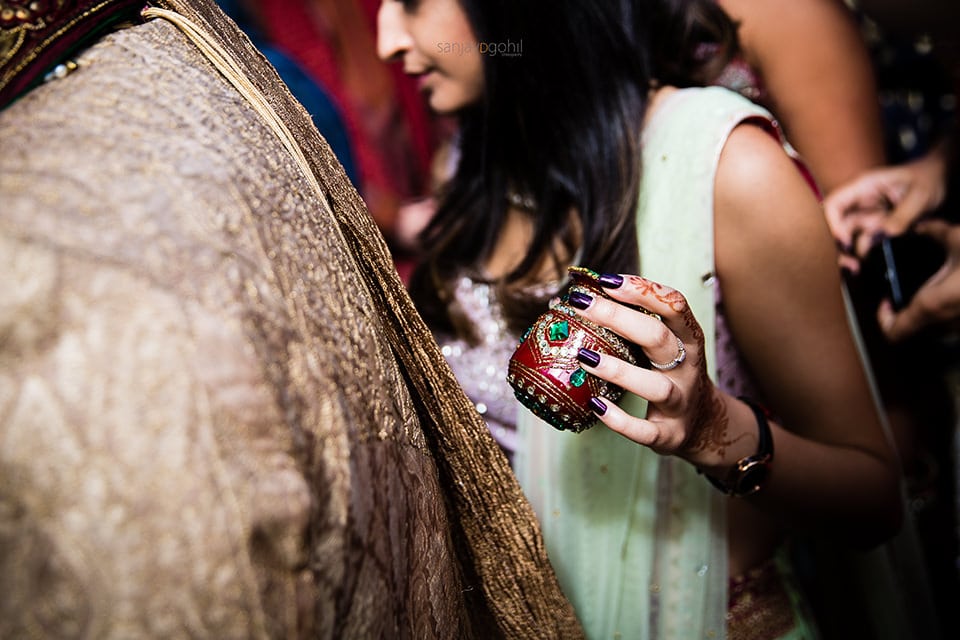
(560, 121)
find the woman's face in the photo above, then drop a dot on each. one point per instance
(436, 44)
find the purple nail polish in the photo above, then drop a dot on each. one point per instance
(580, 300)
(588, 357)
(610, 280)
(597, 406)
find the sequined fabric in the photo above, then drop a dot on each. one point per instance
(481, 367)
(220, 416)
(739, 76)
(765, 603)
(759, 605)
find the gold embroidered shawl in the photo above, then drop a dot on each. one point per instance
(220, 415)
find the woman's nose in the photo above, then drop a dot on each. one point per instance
(392, 36)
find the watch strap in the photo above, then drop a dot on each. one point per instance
(750, 473)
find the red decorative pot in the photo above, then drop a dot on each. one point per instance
(544, 371)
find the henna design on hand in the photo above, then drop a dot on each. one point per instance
(670, 297)
(710, 420)
(711, 425)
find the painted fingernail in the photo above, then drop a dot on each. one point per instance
(580, 300)
(610, 280)
(588, 357)
(597, 406)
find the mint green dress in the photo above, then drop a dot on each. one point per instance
(639, 540)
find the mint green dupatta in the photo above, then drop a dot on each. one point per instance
(638, 540)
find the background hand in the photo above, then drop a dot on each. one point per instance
(938, 300)
(887, 200)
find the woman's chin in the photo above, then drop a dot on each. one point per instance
(445, 102)
(443, 107)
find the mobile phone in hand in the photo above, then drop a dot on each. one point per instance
(907, 262)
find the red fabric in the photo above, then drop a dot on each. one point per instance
(387, 121)
(416, 113)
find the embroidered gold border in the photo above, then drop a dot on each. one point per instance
(10, 73)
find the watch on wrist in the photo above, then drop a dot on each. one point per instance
(750, 474)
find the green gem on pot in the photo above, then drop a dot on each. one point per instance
(578, 377)
(559, 331)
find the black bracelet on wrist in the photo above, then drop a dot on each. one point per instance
(750, 474)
